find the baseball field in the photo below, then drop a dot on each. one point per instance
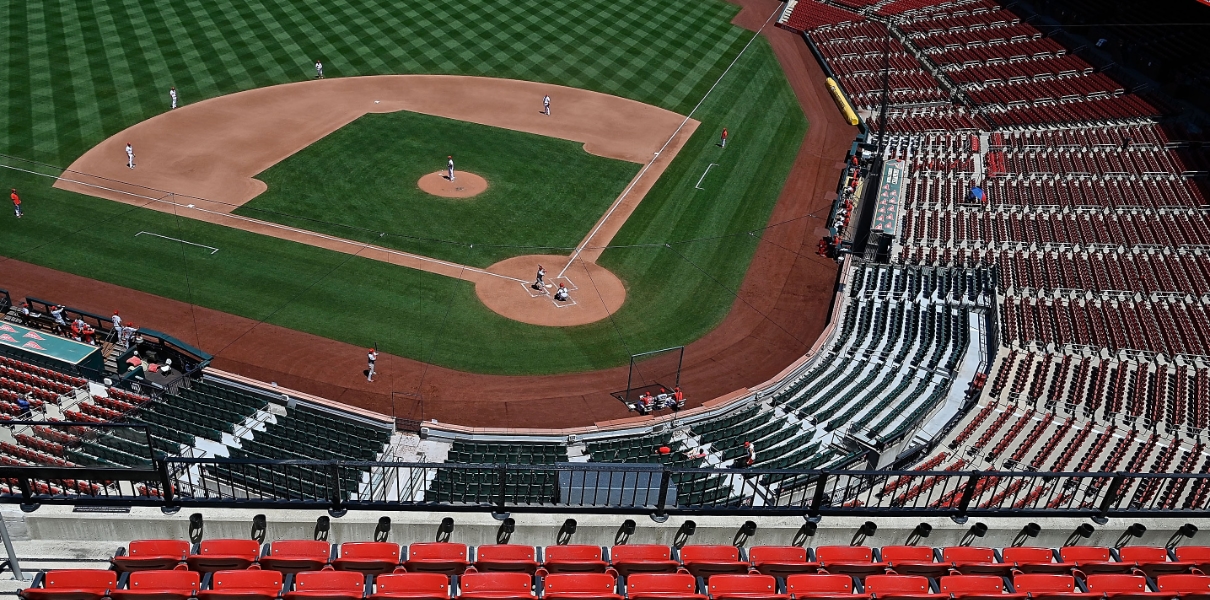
(77, 73)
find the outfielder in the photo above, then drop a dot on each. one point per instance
(724, 142)
(172, 94)
(546, 105)
(450, 167)
(319, 70)
(129, 156)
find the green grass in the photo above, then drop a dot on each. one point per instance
(360, 183)
(76, 72)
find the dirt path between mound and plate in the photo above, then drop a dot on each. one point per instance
(786, 281)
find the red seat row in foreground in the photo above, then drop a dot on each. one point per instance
(292, 556)
(260, 584)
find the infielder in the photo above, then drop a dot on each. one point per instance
(319, 70)
(371, 357)
(546, 105)
(129, 156)
(172, 94)
(450, 167)
(539, 284)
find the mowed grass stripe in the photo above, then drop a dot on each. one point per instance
(88, 119)
(42, 89)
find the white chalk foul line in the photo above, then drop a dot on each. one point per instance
(212, 248)
(703, 177)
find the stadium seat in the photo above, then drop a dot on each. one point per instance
(744, 587)
(328, 585)
(1199, 556)
(974, 587)
(243, 585)
(642, 558)
(160, 585)
(370, 558)
(1194, 587)
(974, 560)
(1093, 559)
(705, 561)
(857, 561)
(142, 555)
(574, 559)
(780, 561)
(411, 586)
(295, 556)
(1152, 560)
(506, 557)
(496, 586)
(1121, 587)
(72, 584)
(821, 586)
(224, 555)
(580, 586)
(913, 560)
(1029, 559)
(436, 557)
(899, 587)
(662, 586)
(1049, 586)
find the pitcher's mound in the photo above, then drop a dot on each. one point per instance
(464, 185)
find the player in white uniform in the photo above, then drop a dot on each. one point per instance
(172, 94)
(546, 105)
(319, 70)
(450, 168)
(129, 156)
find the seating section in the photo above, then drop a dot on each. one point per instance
(482, 484)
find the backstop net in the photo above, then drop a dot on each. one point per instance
(650, 371)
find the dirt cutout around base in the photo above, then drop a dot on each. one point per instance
(593, 292)
(464, 185)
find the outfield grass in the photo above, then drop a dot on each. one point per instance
(360, 183)
(69, 85)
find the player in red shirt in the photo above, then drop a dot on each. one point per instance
(16, 203)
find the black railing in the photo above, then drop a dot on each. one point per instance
(612, 488)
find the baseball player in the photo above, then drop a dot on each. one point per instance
(724, 142)
(546, 105)
(561, 295)
(370, 358)
(116, 320)
(319, 70)
(172, 94)
(16, 202)
(538, 283)
(129, 156)
(450, 167)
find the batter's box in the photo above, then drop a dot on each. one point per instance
(571, 285)
(529, 288)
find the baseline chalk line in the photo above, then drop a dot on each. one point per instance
(703, 177)
(212, 248)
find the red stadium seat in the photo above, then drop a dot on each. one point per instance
(1121, 587)
(1093, 559)
(411, 586)
(294, 556)
(1194, 587)
(781, 561)
(899, 586)
(580, 586)
(642, 558)
(574, 559)
(224, 555)
(1152, 560)
(73, 584)
(143, 555)
(705, 561)
(744, 587)
(243, 585)
(160, 585)
(328, 585)
(822, 586)
(913, 560)
(1049, 586)
(506, 557)
(975, 587)
(496, 586)
(370, 558)
(974, 560)
(1199, 556)
(662, 586)
(436, 557)
(1034, 560)
(848, 560)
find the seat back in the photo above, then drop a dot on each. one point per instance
(1084, 554)
(917, 554)
(571, 553)
(580, 583)
(639, 553)
(81, 579)
(1028, 555)
(505, 553)
(249, 549)
(370, 551)
(344, 581)
(777, 554)
(1116, 582)
(968, 554)
(971, 584)
(709, 554)
(153, 548)
(742, 584)
(844, 554)
(819, 582)
(896, 584)
(1186, 583)
(305, 549)
(1143, 554)
(1198, 554)
(660, 583)
(1044, 583)
(165, 580)
(437, 551)
(434, 583)
(513, 583)
(260, 580)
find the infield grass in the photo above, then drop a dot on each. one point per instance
(78, 71)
